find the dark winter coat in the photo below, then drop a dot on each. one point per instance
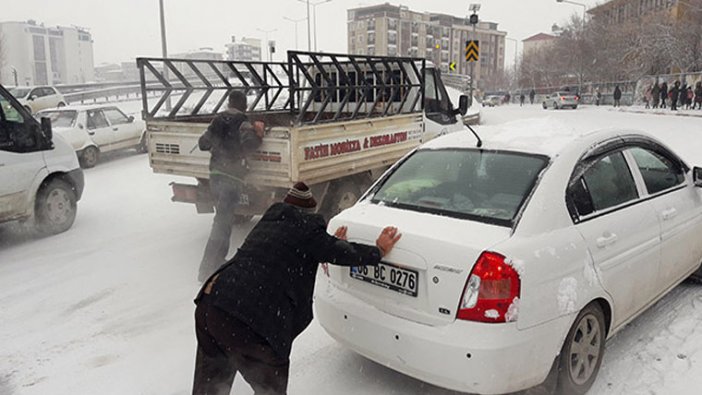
(230, 138)
(269, 283)
(655, 92)
(675, 92)
(698, 93)
(617, 93)
(664, 91)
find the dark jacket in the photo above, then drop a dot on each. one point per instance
(698, 93)
(617, 93)
(230, 138)
(269, 283)
(664, 90)
(655, 92)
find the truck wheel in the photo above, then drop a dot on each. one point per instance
(89, 157)
(697, 276)
(56, 207)
(142, 148)
(341, 197)
(582, 352)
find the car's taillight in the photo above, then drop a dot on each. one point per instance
(562, 98)
(492, 291)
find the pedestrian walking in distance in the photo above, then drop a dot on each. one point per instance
(698, 96)
(617, 96)
(664, 94)
(521, 99)
(532, 94)
(230, 138)
(656, 94)
(674, 95)
(250, 311)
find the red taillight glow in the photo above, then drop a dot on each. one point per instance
(493, 286)
(563, 98)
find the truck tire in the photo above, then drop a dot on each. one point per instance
(582, 352)
(697, 276)
(342, 196)
(142, 148)
(89, 157)
(55, 207)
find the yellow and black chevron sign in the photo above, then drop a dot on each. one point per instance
(472, 51)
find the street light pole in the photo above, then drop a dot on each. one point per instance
(473, 21)
(295, 21)
(267, 32)
(314, 12)
(516, 43)
(164, 50)
(582, 37)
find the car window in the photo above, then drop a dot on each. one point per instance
(19, 93)
(484, 186)
(609, 182)
(96, 119)
(60, 119)
(9, 113)
(659, 173)
(115, 116)
(48, 91)
(36, 92)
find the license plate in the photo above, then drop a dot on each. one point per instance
(388, 276)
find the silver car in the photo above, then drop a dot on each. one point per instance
(558, 100)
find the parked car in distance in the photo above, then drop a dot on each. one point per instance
(492, 101)
(37, 98)
(40, 179)
(558, 100)
(95, 129)
(517, 259)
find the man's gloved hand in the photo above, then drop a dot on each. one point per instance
(387, 239)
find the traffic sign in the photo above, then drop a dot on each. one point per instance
(452, 66)
(472, 51)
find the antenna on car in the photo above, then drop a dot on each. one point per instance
(480, 142)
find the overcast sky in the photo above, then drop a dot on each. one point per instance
(125, 29)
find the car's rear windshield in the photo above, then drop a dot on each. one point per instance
(19, 92)
(480, 185)
(60, 119)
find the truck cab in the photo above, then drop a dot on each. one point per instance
(40, 179)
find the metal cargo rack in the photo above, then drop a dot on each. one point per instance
(309, 88)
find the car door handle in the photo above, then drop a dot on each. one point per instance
(669, 214)
(606, 239)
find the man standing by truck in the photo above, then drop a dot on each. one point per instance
(250, 311)
(230, 137)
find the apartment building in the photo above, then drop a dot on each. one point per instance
(390, 30)
(246, 50)
(33, 54)
(621, 11)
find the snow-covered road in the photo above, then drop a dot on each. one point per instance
(106, 308)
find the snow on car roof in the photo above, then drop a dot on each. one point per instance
(81, 107)
(546, 136)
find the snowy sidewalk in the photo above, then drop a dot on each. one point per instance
(659, 111)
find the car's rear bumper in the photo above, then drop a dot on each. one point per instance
(462, 356)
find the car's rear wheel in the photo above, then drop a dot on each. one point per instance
(544, 106)
(575, 107)
(555, 106)
(582, 352)
(89, 157)
(62, 104)
(56, 207)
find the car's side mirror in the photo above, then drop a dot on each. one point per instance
(130, 119)
(697, 176)
(463, 104)
(46, 128)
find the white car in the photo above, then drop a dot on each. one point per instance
(517, 259)
(37, 98)
(40, 180)
(94, 129)
(558, 100)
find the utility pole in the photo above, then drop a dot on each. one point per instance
(164, 50)
(309, 37)
(295, 21)
(268, 43)
(473, 21)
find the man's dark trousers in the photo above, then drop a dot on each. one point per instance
(227, 346)
(226, 194)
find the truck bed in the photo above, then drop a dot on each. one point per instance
(312, 153)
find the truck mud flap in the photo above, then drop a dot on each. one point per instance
(200, 197)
